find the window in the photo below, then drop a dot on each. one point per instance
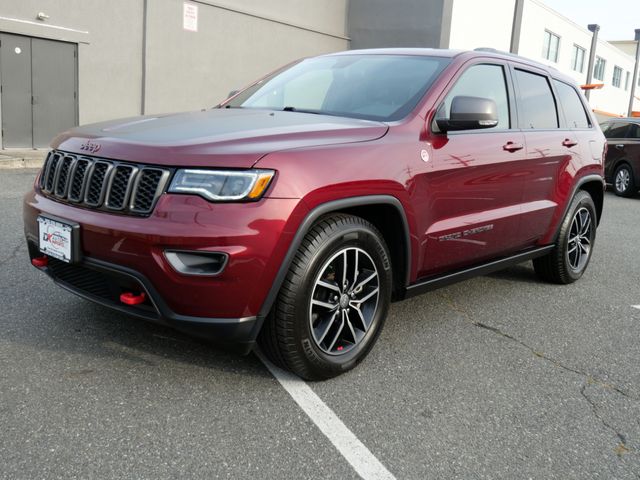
(617, 130)
(550, 46)
(571, 106)
(537, 108)
(598, 69)
(634, 131)
(485, 81)
(626, 81)
(577, 58)
(617, 76)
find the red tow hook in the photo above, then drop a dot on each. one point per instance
(40, 261)
(130, 298)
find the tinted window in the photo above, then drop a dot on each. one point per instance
(485, 81)
(634, 131)
(571, 106)
(617, 130)
(375, 87)
(537, 108)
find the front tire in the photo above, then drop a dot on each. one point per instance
(333, 302)
(623, 181)
(568, 261)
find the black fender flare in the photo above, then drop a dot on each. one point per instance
(585, 179)
(307, 223)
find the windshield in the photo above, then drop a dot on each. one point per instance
(372, 87)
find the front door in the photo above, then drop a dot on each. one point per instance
(38, 88)
(476, 184)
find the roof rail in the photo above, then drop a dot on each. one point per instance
(515, 55)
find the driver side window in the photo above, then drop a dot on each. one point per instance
(485, 81)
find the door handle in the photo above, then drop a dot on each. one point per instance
(620, 146)
(512, 147)
(569, 143)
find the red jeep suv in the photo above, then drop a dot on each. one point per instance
(294, 212)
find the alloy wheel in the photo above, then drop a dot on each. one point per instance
(344, 301)
(580, 238)
(623, 179)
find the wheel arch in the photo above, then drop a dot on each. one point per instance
(373, 208)
(595, 188)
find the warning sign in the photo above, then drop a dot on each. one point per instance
(190, 17)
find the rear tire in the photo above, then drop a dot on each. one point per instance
(333, 302)
(570, 257)
(623, 182)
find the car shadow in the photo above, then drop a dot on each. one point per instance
(76, 326)
(520, 273)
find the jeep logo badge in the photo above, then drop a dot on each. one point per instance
(89, 146)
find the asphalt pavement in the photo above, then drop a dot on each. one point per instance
(499, 377)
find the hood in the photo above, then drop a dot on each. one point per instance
(217, 137)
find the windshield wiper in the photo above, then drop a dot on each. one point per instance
(300, 110)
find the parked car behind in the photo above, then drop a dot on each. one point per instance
(296, 211)
(622, 164)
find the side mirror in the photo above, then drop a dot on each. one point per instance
(469, 113)
(232, 93)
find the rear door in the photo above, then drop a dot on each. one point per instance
(623, 139)
(550, 148)
(475, 185)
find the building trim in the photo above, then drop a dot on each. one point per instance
(43, 30)
(212, 3)
(445, 26)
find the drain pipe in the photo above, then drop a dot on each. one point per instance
(594, 28)
(634, 83)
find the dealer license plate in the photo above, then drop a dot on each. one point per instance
(55, 238)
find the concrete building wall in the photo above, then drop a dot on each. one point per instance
(473, 25)
(400, 23)
(189, 70)
(109, 42)
(236, 42)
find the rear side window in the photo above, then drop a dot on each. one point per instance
(537, 107)
(618, 130)
(634, 131)
(485, 81)
(571, 106)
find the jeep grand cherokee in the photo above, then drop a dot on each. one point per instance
(293, 213)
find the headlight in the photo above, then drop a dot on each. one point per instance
(222, 185)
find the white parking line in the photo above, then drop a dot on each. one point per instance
(352, 449)
(636, 306)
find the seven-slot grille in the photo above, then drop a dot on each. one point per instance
(102, 184)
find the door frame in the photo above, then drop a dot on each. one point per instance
(75, 81)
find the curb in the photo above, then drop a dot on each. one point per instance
(21, 161)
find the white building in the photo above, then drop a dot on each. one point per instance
(526, 27)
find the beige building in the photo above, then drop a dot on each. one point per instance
(119, 58)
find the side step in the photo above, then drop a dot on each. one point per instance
(438, 281)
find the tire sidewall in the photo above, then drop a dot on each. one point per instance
(348, 236)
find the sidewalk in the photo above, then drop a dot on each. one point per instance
(22, 158)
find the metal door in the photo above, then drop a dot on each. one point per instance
(38, 88)
(54, 88)
(15, 78)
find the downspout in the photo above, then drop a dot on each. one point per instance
(516, 28)
(143, 86)
(594, 28)
(635, 73)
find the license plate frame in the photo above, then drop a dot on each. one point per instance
(59, 238)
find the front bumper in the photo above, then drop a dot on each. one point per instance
(123, 253)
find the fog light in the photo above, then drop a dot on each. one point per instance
(197, 263)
